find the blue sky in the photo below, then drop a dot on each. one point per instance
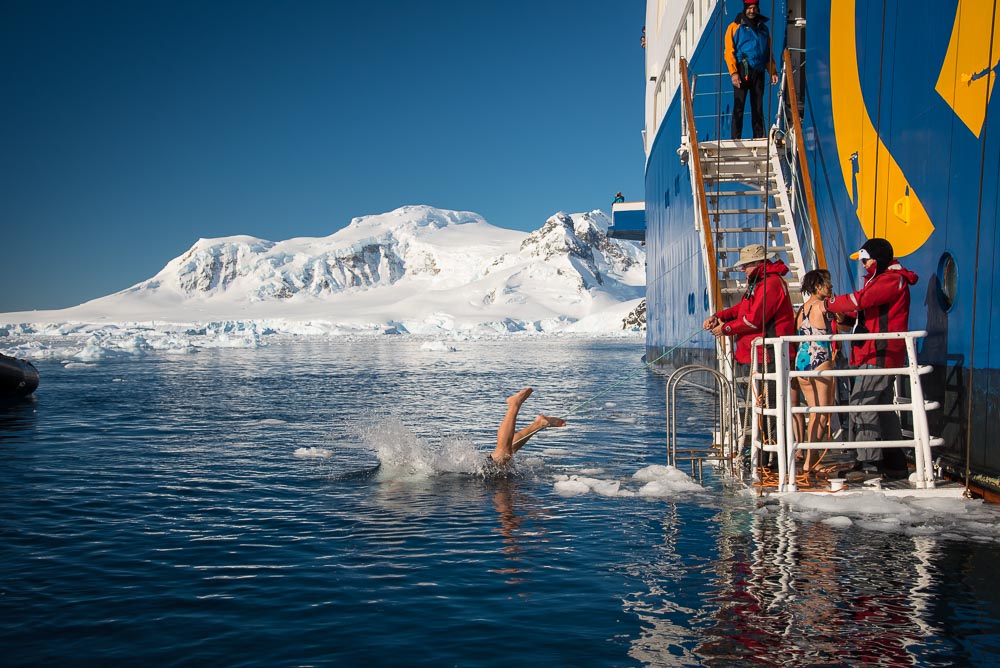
(131, 129)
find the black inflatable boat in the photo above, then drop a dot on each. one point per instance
(18, 378)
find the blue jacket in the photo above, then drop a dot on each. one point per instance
(750, 41)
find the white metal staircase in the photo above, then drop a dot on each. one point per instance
(747, 201)
(743, 194)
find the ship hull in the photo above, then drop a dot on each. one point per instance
(896, 148)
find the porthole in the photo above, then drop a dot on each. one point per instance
(691, 303)
(947, 281)
(706, 299)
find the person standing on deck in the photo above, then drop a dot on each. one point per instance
(749, 57)
(882, 305)
(765, 310)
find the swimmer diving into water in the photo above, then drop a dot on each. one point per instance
(509, 439)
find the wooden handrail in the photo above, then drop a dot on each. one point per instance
(695, 156)
(800, 149)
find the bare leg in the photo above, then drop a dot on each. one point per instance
(539, 423)
(510, 441)
(816, 392)
(505, 432)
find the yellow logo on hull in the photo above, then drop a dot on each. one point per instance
(886, 203)
(967, 76)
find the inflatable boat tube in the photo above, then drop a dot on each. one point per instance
(18, 378)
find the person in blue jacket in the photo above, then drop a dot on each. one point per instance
(750, 59)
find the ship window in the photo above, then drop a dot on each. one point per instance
(706, 299)
(947, 281)
(691, 303)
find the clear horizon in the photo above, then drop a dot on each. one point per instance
(133, 130)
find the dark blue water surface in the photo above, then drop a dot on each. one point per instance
(221, 508)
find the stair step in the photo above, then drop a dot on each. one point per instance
(741, 193)
(708, 157)
(770, 249)
(733, 212)
(741, 230)
(738, 177)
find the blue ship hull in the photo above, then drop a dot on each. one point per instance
(904, 143)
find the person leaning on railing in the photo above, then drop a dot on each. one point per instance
(765, 310)
(881, 305)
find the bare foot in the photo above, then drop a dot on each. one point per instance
(520, 397)
(549, 421)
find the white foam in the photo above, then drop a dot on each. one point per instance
(403, 454)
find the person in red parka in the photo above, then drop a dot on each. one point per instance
(765, 310)
(881, 305)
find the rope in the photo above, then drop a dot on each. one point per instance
(970, 386)
(631, 375)
(623, 380)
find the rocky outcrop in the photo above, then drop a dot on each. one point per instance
(636, 319)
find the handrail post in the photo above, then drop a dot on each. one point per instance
(921, 430)
(800, 151)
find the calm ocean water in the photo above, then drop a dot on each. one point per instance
(224, 508)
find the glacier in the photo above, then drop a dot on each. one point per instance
(415, 271)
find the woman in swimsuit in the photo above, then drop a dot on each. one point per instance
(812, 320)
(509, 438)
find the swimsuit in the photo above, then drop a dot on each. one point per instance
(813, 353)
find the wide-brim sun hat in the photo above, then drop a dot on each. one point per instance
(751, 254)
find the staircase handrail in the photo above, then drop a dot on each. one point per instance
(692, 137)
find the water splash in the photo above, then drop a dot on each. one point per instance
(403, 454)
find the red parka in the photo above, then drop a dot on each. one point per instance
(882, 305)
(765, 310)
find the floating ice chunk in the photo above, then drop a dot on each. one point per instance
(840, 522)
(664, 481)
(437, 347)
(572, 487)
(312, 453)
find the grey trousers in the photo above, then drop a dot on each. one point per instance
(872, 425)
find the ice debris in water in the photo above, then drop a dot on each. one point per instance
(660, 481)
(437, 347)
(312, 453)
(953, 518)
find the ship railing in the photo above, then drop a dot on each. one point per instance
(782, 439)
(719, 86)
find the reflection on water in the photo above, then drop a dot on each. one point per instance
(321, 503)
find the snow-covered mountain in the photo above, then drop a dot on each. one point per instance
(417, 270)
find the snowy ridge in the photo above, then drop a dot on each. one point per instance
(416, 270)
